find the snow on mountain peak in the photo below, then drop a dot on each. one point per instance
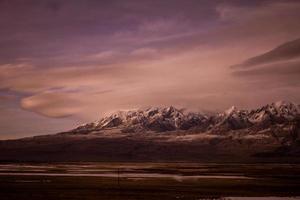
(231, 110)
(275, 112)
(284, 106)
(161, 119)
(280, 103)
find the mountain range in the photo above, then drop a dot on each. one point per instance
(281, 115)
(266, 134)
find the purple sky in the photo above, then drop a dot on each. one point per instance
(63, 63)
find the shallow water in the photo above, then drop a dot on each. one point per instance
(170, 179)
(125, 175)
(105, 170)
(261, 198)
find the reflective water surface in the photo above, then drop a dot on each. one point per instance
(150, 181)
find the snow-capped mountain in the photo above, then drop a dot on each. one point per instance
(150, 119)
(275, 113)
(270, 133)
(171, 119)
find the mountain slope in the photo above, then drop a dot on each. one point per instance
(172, 119)
(267, 134)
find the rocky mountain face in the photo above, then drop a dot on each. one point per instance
(151, 119)
(280, 114)
(268, 134)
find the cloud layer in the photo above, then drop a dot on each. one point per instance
(286, 51)
(79, 60)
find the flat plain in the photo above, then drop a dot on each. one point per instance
(148, 181)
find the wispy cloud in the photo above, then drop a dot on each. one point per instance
(284, 52)
(87, 58)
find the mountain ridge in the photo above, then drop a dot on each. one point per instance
(270, 133)
(162, 119)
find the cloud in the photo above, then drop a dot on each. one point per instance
(272, 76)
(102, 55)
(145, 53)
(88, 58)
(277, 68)
(286, 51)
(52, 104)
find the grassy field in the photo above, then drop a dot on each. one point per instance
(147, 181)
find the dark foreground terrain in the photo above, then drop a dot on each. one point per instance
(152, 147)
(148, 181)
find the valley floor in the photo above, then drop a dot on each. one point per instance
(147, 180)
